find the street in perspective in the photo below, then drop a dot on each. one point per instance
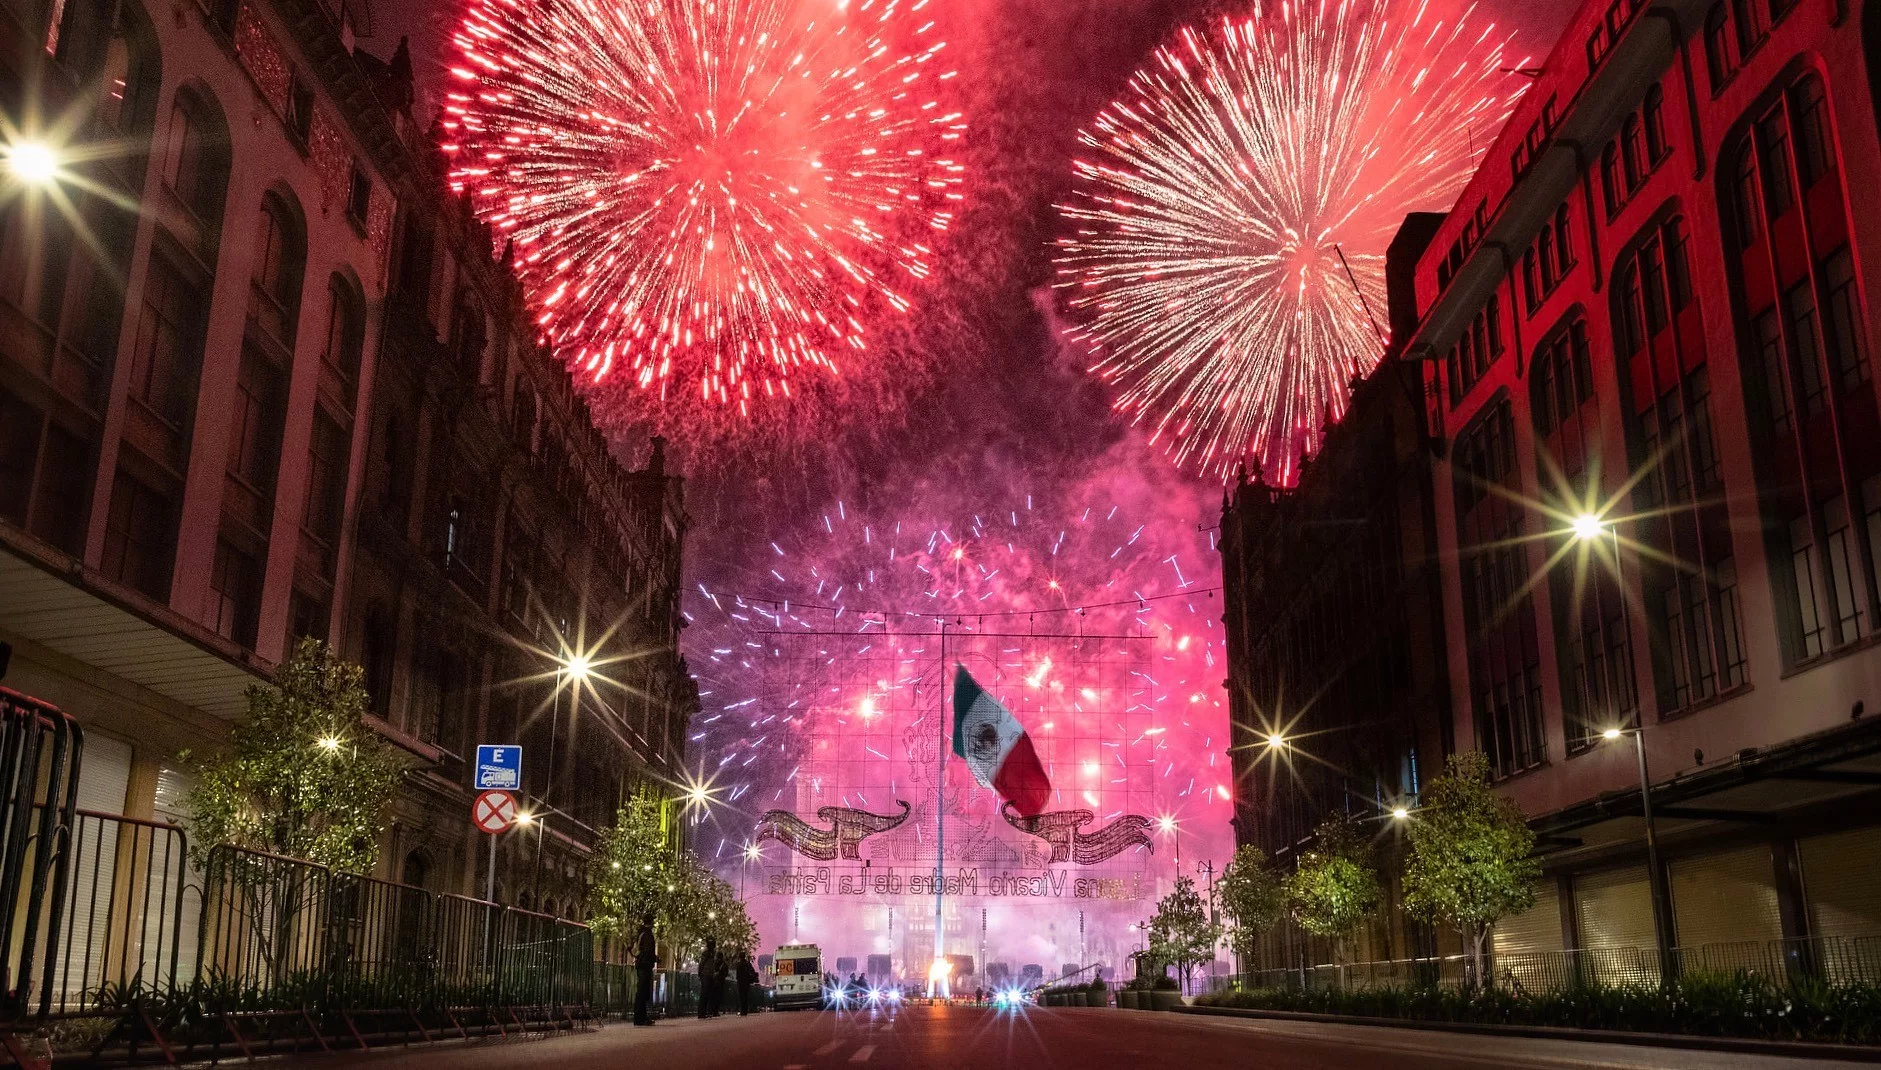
(997, 533)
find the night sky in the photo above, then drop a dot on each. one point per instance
(993, 407)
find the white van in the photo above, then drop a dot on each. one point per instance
(798, 973)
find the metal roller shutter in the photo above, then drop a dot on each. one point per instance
(173, 786)
(1536, 929)
(1615, 913)
(1724, 910)
(88, 944)
(1842, 883)
(1527, 945)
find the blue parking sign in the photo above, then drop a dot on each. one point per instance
(499, 766)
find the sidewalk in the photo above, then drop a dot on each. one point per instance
(1577, 1046)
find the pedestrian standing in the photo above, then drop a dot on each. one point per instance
(646, 956)
(747, 983)
(708, 978)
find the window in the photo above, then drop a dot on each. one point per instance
(1800, 306)
(1746, 211)
(1563, 242)
(1613, 193)
(1687, 575)
(377, 656)
(1773, 146)
(1719, 59)
(1633, 151)
(139, 534)
(1531, 280)
(1657, 147)
(1748, 16)
(358, 196)
(1848, 354)
(234, 594)
(280, 253)
(1504, 653)
(306, 616)
(255, 424)
(169, 342)
(346, 330)
(326, 482)
(1815, 149)
(1470, 359)
(1768, 329)
(1803, 568)
(300, 108)
(1841, 553)
(1871, 521)
(197, 166)
(468, 336)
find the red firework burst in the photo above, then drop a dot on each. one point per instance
(711, 200)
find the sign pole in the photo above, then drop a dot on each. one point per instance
(937, 980)
(489, 896)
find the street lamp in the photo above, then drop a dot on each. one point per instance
(1661, 897)
(1276, 741)
(32, 163)
(1400, 813)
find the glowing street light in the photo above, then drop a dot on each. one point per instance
(33, 163)
(524, 817)
(330, 744)
(1611, 734)
(1276, 741)
(1399, 813)
(577, 667)
(1588, 527)
(752, 854)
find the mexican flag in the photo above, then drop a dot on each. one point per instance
(995, 746)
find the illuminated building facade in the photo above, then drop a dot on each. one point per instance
(265, 379)
(1644, 339)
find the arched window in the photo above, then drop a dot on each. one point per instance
(346, 330)
(196, 165)
(280, 255)
(1614, 193)
(1654, 115)
(1633, 151)
(468, 336)
(1746, 211)
(1563, 241)
(1719, 59)
(1815, 149)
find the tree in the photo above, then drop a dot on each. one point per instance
(303, 775)
(1334, 889)
(634, 872)
(1180, 933)
(1253, 897)
(1472, 860)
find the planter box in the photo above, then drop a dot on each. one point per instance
(1098, 999)
(1078, 999)
(1127, 999)
(1164, 1000)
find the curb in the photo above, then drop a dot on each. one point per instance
(1797, 1049)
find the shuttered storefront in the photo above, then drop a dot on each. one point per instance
(1614, 908)
(1527, 944)
(179, 927)
(1724, 911)
(1842, 887)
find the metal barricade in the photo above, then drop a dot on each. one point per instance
(40, 750)
(264, 931)
(131, 913)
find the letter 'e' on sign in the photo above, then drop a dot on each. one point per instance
(499, 767)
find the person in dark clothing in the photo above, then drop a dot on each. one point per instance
(747, 983)
(645, 958)
(709, 971)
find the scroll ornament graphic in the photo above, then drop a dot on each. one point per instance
(1060, 828)
(843, 839)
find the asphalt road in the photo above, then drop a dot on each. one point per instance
(975, 1038)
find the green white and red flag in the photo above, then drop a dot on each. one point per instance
(996, 747)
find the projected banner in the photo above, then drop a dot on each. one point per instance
(968, 882)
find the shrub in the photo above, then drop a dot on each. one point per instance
(1165, 983)
(1710, 1004)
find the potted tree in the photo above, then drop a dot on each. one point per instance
(1098, 993)
(1166, 994)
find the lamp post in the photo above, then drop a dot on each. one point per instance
(1661, 896)
(576, 669)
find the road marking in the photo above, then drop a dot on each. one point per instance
(827, 1048)
(862, 1054)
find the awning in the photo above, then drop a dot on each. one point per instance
(48, 599)
(1774, 786)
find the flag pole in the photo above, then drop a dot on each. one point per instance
(935, 979)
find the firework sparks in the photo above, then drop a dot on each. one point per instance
(710, 200)
(1234, 207)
